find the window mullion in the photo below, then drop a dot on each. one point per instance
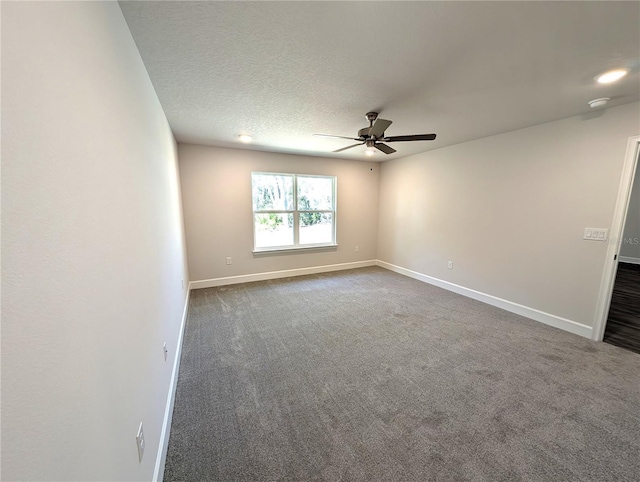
(274, 211)
(296, 216)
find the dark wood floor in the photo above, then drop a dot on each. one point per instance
(623, 324)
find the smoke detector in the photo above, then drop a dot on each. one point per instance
(602, 101)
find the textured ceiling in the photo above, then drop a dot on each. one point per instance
(282, 71)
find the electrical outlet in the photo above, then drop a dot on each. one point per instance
(357, 249)
(450, 265)
(228, 259)
(140, 442)
(165, 350)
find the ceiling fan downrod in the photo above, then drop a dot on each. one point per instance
(371, 117)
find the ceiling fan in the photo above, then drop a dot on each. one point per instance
(373, 136)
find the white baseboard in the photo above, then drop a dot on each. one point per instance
(537, 315)
(161, 459)
(627, 259)
(247, 278)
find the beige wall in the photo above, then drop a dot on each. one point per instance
(92, 246)
(510, 211)
(216, 190)
(630, 247)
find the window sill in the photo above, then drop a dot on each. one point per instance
(294, 250)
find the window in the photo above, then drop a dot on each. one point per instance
(293, 211)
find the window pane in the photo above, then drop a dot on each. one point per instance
(315, 193)
(273, 229)
(272, 192)
(316, 228)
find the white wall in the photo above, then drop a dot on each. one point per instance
(92, 246)
(216, 195)
(510, 211)
(630, 247)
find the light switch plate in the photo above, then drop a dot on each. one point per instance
(595, 234)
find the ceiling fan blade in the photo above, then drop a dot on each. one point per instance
(337, 137)
(384, 148)
(417, 137)
(379, 126)
(348, 147)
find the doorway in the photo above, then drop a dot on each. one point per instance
(623, 322)
(618, 317)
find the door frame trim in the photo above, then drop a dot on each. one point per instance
(615, 238)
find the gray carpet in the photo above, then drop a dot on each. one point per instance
(367, 375)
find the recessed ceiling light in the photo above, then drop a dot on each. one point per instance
(245, 138)
(611, 76)
(369, 152)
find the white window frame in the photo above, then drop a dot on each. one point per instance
(296, 215)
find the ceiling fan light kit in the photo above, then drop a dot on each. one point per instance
(373, 136)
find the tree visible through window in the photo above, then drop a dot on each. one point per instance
(293, 210)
